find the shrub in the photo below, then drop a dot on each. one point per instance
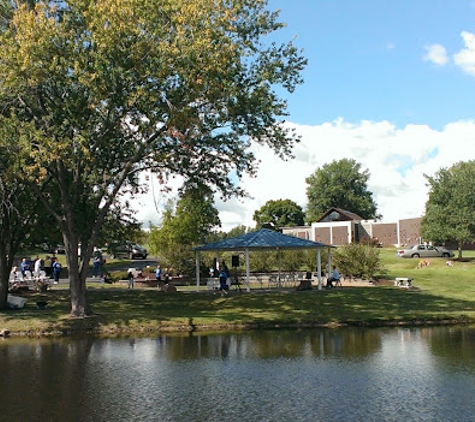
(358, 261)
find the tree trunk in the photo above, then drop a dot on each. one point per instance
(77, 277)
(4, 276)
(79, 305)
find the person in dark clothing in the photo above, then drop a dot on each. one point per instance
(56, 270)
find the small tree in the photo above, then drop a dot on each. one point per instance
(189, 224)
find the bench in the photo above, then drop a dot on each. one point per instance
(403, 282)
(212, 284)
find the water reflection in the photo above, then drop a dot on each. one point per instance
(302, 375)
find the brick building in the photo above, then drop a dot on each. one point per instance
(340, 227)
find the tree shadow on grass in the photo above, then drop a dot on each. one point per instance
(150, 310)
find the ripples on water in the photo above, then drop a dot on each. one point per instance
(314, 375)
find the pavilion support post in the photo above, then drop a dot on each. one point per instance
(198, 256)
(319, 268)
(248, 283)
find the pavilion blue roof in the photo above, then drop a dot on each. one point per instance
(263, 239)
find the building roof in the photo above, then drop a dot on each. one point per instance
(347, 215)
(263, 239)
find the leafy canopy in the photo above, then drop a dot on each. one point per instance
(450, 209)
(279, 213)
(342, 184)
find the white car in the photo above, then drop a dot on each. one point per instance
(424, 251)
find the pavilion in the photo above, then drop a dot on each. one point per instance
(262, 240)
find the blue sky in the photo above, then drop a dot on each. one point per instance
(390, 84)
(366, 60)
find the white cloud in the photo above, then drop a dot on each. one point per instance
(465, 58)
(436, 54)
(390, 45)
(397, 159)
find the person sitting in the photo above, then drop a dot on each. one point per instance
(335, 277)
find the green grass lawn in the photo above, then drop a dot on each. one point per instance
(440, 294)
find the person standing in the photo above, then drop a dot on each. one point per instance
(56, 271)
(225, 268)
(223, 279)
(24, 266)
(97, 264)
(130, 280)
(166, 276)
(158, 275)
(37, 267)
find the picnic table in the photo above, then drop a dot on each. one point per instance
(403, 282)
(305, 283)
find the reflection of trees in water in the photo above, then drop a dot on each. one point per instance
(348, 343)
(274, 344)
(54, 370)
(455, 343)
(319, 343)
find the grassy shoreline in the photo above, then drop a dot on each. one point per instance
(441, 295)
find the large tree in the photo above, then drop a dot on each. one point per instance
(102, 90)
(276, 214)
(343, 184)
(450, 209)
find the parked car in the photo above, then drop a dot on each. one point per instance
(59, 250)
(127, 250)
(424, 251)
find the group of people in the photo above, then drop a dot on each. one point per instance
(225, 280)
(35, 267)
(161, 276)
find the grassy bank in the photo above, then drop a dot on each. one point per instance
(441, 294)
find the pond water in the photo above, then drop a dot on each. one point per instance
(397, 374)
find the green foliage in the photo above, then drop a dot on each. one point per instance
(188, 224)
(293, 260)
(100, 91)
(340, 184)
(20, 214)
(278, 214)
(238, 231)
(262, 262)
(450, 209)
(119, 225)
(358, 261)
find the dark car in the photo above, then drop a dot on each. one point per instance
(128, 250)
